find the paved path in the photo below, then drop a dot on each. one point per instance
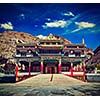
(50, 80)
(50, 85)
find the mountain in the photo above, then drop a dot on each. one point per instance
(9, 39)
(96, 58)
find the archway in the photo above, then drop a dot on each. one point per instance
(50, 66)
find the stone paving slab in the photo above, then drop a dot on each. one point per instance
(82, 90)
(41, 85)
(44, 80)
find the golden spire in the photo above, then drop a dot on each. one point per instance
(83, 41)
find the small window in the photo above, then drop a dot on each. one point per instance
(19, 46)
(81, 46)
(53, 43)
(59, 43)
(29, 46)
(47, 43)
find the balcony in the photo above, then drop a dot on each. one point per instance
(82, 56)
(50, 54)
(51, 45)
(18, 55)
(29, 55)
(72, 55)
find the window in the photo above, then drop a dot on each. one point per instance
(41, 43)
(47, 43)
(19, 46)
(81, 46)
(18, 52)
(77, 54)
(66, 54)
(54, 43)
(71, 46)
(50, 51)
(29, 46)
(23, 54)
(59, 43)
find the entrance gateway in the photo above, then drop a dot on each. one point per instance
(50, 66)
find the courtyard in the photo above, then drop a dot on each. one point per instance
(50, 85)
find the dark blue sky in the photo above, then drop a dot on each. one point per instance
(70, 20)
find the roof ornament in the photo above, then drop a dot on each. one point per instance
(83, 41)
(51, 37)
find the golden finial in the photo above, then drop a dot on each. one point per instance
(83, 41)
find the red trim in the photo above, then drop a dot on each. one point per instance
(59, 68)
(71, 70)
(41, 67)
(16, 68)
(29, 71)
(84, 74)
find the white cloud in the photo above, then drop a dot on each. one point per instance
(22, 16)
(41, 36)
(44, 26)
(76, 30)
(48, 19)
(83, 25)
(59, 23)
(7, 26)
(69, 14)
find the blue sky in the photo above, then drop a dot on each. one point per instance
(73, 21)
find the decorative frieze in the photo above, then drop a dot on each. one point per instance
(50, 57)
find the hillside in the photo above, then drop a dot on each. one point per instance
(8, 41)
(96, 58)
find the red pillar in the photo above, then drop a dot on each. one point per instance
(59, 66)
(71, 69)
(16, 69)
(29, 69)
(84, 73)
(41, 67)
